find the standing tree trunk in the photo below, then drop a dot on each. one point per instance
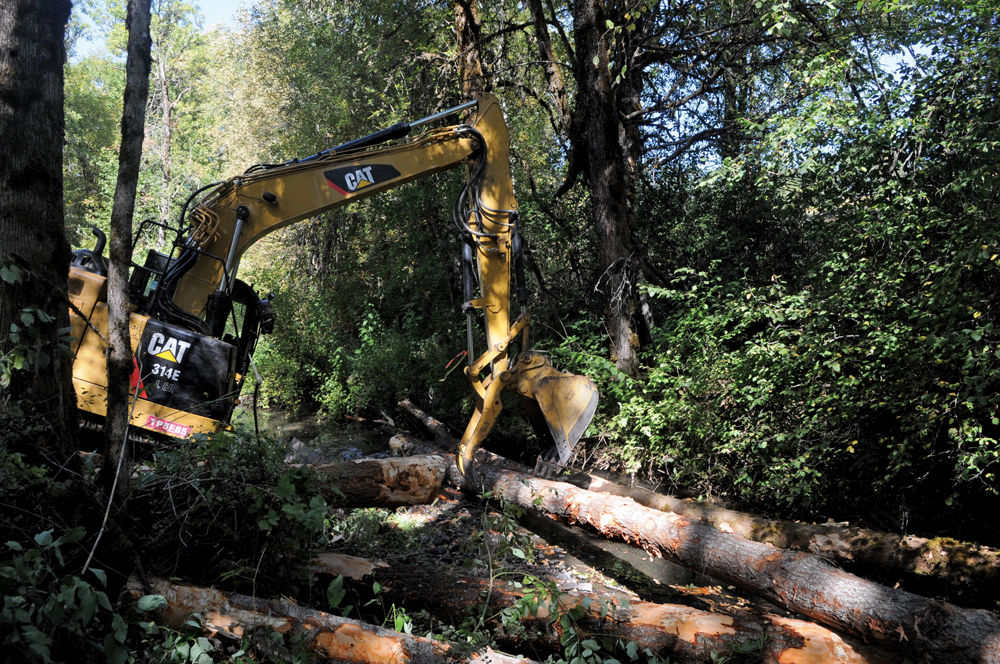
(470, 62)
(597, 145)
(120, 347)
(166, 118)
(553, 77)
(35, 364)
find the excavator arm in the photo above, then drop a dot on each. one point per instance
(198, 284)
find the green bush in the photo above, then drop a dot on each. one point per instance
(228, 508)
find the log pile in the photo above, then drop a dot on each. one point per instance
(968, 570)
(800, 582)
(834, 616)
(236, 616)
(687, 633)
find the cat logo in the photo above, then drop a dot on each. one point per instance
(167, 348)
(359, 179)
(351, 179)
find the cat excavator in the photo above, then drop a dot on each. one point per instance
(194, 324)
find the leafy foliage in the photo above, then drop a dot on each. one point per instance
(229, 508)
(851, 363)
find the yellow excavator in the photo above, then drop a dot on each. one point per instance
(195, 325)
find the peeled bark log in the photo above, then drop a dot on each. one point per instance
(381, 482)
(800, 582)
(691, 634)
(330, 636)
(964, 568)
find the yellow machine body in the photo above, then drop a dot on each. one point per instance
(230, 218)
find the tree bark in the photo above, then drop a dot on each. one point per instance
(597, 150)
(327, 635)
(965, 569)
(691, 634)
(412, 480)
(799, 582)
(35, 364)
(468, 31)
(119, 359)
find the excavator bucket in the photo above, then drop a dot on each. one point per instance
(565, 402)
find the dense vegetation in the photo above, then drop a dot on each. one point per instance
(812, 238)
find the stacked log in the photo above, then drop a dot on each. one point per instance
(965, 569)
(801, 582)
(329, 636)
(683, 632)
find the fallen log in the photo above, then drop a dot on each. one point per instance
(690, 634)
(800, 582)
(962, 568)
(327, 635)
(413, 480)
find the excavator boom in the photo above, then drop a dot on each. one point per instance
(185, 302)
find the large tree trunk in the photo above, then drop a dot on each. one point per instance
(470, 61)
(797, 581)
(329, 636)
(597, 150)
(35, 365)
(120, 344)
(691, 634)
(965, 569)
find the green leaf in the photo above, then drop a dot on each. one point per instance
(88, 603)
(335, 592)
(101, 575)
(119, 628)
(10, 274)
(151, 603)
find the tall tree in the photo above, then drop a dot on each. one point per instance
(120, 347)
(177, 60)
(35, 366)
(599, 152)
